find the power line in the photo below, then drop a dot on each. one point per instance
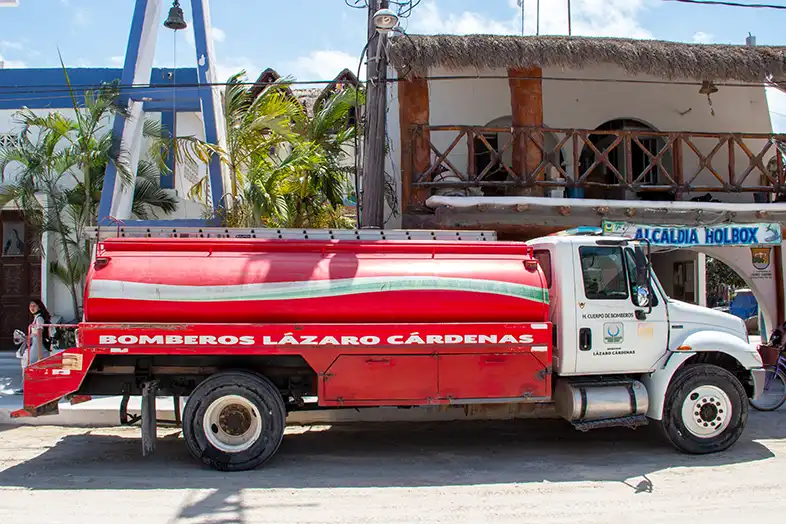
(152, 88)
(729, 4)
(36, 92)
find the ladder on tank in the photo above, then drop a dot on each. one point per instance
(122, 231)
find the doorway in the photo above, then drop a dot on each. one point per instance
(606, 184)
(20, 276)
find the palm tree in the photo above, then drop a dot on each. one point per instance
(60, 163)
(286, 168)
(256, 126)
(319, 190)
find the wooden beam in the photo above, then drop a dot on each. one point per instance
(413, 99)
(526, 102)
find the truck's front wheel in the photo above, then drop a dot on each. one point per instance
(234, 421)
(705, 409)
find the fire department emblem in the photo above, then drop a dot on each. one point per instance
(760, 257)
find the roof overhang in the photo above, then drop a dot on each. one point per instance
(513, 213)
(418, 54)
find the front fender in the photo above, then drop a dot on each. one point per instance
(722, 342)
(657, 382)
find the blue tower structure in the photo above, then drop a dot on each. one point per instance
(117, 195)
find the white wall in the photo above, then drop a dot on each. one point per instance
(665, 107)
(570, 104)
(663, 266)
(189, 124)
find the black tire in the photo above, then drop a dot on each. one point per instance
(257, 390)
(685, 382)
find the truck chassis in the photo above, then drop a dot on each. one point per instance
(341, 365)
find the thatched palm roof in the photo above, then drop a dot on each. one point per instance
(418, 54)
(267, 77)
(345, 77)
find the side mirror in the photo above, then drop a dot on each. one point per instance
(643, 279)
(642, 296)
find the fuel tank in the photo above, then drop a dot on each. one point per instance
(195, 280)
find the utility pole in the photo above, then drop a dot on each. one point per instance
(373, 176)
(537, 31)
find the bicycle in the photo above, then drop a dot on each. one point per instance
(774, 394)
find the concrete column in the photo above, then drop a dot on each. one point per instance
(46, 249)
(701, 279)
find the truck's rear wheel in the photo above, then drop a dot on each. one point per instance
(705, 410)
(234, 421)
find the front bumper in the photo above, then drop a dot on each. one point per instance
(758, 375)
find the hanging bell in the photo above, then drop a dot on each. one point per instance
(707, 88)
(175, 19)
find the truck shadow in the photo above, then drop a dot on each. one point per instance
(392, 454)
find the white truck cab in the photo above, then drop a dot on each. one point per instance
(624, 352)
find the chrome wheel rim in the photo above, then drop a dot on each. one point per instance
(232, 424)
(706, 411)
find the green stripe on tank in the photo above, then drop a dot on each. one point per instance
(110, 289)
(318, 289)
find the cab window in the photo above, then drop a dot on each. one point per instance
(603, 271)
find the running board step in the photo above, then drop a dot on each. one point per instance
(633, 421)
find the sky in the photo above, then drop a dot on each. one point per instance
(316, 39)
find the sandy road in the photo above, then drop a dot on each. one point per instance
(511, 472)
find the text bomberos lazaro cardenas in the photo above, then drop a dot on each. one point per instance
(289, 339)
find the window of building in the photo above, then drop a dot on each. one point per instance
(8, 139)
(684, 283)
(603, 271)
(13, 238)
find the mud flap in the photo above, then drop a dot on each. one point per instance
(47, 409)
(149, 391)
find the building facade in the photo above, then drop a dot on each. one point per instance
(532, 135)
(23, 269)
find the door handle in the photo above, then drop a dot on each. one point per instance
(494, 360)
(585, 339)
(378, 361)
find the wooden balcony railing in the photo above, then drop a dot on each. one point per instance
(598, 161)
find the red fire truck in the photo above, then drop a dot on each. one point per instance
(250, 325)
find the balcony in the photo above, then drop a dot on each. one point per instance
(607, 164)
(602, 173)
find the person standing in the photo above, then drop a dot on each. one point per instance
(40, 341)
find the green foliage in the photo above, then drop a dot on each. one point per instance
(719, 274)
(288, 168)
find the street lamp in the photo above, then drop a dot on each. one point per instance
(385, 21)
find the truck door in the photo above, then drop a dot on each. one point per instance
(615, 335)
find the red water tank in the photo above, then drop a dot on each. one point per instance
(271, 281)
